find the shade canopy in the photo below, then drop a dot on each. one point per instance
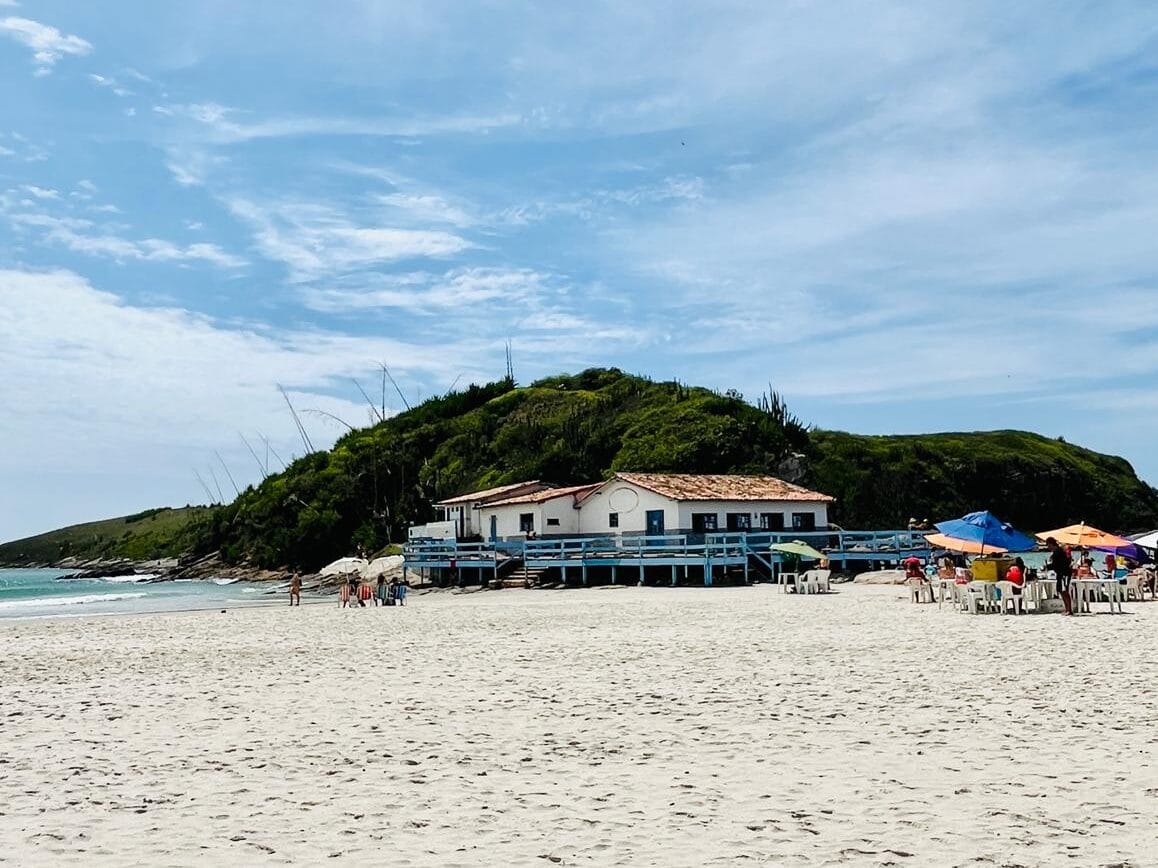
(797, 547)
(986, 531)
(343, 566)
(966, 547)
(1147, 540)
(378, 566)
(1087, 537)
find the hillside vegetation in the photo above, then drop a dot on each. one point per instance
(155, 533)
(377, 481)
(1033, 481)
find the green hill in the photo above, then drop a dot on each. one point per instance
(155, 533)
(1033, 481)
(378, 481)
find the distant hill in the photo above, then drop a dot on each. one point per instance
(1033, 481)
(155, 533)
(379, 480)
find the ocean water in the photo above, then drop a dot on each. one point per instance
(45, 594)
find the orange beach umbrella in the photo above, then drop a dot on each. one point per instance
(965, 546)
(1083, 535)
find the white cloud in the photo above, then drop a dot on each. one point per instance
(110, 83)
(314, 240)
(191, 167)
(227, 125)
(427, 208)
(47, 43)
(156, 389)
(40, 192)
(81, 236)
(461, 290)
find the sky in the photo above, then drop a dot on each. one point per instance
(904, 216)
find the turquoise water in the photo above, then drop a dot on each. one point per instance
(43, 593)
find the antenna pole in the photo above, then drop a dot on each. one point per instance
(227, 473)
(297, 421)
(386, 371)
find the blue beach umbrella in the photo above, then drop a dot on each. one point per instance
(986, 531)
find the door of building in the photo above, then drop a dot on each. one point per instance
(655, 522)
(494, 528)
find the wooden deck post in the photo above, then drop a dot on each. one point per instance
(673, 575)
(564, 568)
(614, 574)
(707, 572)
(584, 573)
(641, 571)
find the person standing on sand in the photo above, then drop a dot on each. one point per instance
(1059, 562)
(380, 597)
(296, 590)
(344, 592)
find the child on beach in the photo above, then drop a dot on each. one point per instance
(295, 590)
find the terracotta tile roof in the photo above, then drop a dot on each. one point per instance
(687, 486)
(576, 491)
(489, 494)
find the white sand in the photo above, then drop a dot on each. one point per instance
(601, 727)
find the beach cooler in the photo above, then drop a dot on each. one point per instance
(991, 569)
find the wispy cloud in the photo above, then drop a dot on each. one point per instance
(227, 125)
(48, 44)
(313, 239)
(110, 84)
(82, 236)
(461, 290)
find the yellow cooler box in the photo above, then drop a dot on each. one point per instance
(991, 569)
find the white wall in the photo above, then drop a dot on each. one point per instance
(753, 508)
(507, 518)
(562, 508)
(631, 503)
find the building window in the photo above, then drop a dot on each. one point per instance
(613, 519)
(771, 521)
(803, 521)
(527, 522)
(739, 521)
(552, 522)
(704, 522)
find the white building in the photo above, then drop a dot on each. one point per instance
(657, 503)
(464, 509)
(548, 512)
(639, 503)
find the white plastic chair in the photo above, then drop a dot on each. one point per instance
(1134, 586)
(822, 580)
(1115, 593)
(919, 588)
(1009, 600)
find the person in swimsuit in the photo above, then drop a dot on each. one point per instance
(1059, 562)
(296, 590)
(344, 593)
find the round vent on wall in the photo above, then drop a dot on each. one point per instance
(623, 500)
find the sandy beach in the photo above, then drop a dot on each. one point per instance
(597, 727)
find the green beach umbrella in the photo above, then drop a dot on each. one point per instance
(798, 548)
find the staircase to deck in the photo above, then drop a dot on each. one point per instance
(513, 574)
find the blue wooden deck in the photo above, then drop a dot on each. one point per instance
(577, 556)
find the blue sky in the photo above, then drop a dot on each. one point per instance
(906, 216)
